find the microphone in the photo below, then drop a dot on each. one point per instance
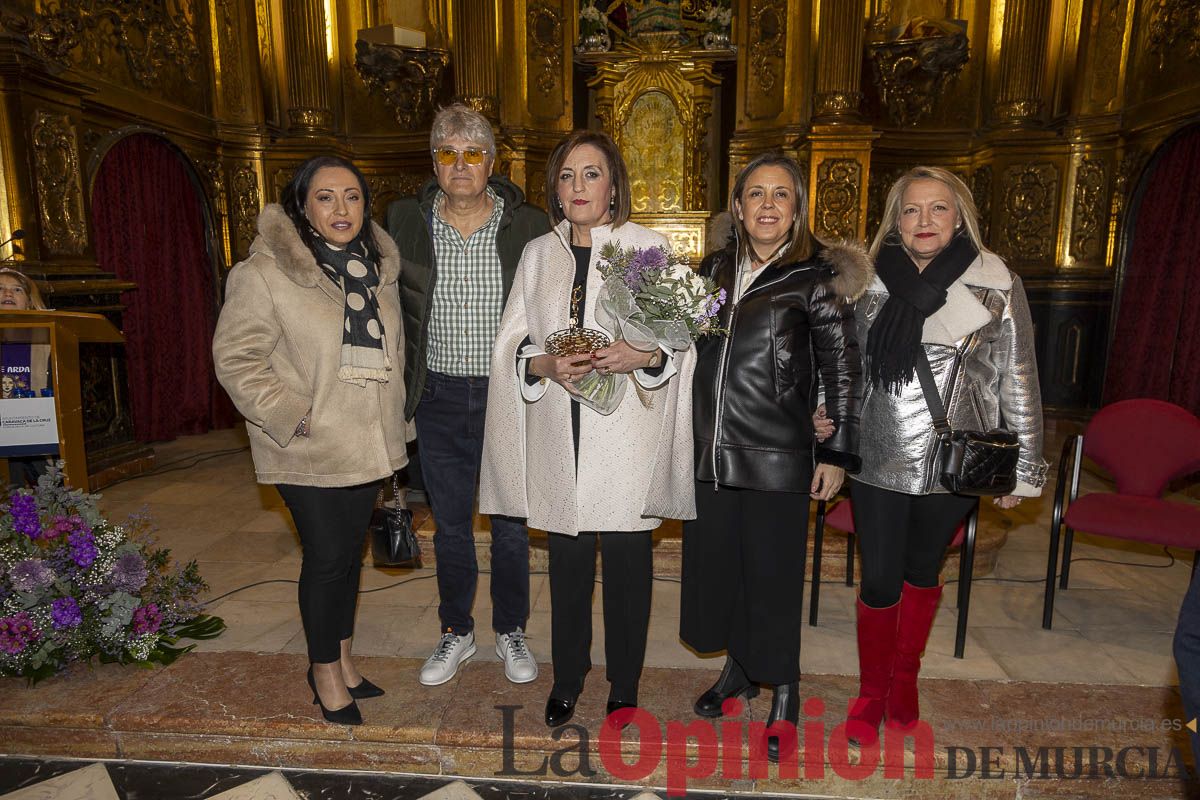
(18, 234)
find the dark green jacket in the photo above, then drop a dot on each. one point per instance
(410, 222)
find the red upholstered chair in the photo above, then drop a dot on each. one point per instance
(842, 518)
(1144, 444)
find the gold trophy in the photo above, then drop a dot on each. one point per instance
(574, 340)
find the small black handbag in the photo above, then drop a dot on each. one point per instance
(974, 463)
(393, 540)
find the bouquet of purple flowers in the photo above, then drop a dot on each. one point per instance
(653, 300)
(73, 586)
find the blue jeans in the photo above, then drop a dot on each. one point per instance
(1187, 659)
(450, 420)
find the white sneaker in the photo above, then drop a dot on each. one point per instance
(451, 651)
(519, 666)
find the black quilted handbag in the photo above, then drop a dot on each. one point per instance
(393, 540)
(973, 463)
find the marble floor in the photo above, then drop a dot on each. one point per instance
(61, 779)
(1114, 625)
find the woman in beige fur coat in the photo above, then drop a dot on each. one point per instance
(580, 475)
(310, 348)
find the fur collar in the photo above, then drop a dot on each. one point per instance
(854, 271)
(278, 238)
(963, 313)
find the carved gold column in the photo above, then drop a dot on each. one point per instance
(307, 67)
(535, 88)
(774, 49)
(475, 54)
(839, 141)
(1022, 61)
(840, 36)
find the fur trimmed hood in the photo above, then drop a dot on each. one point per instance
(854, 271)
(278, 238)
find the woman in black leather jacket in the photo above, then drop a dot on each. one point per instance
(790, 322)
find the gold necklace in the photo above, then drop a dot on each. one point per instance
(576, 296)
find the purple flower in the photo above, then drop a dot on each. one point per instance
(65, 613)
(649, 258)
(83, 548)
(129, 573)
(147, 619)
(30, 575)
(643, 261)
(62, 525)
(17, 632)
(25, 515)
(60, 562)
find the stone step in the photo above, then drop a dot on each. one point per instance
(254, 709)
(668, 547)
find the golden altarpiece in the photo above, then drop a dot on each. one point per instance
(1050, 109)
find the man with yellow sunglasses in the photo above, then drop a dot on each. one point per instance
(460, 240)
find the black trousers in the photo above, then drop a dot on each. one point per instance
(902, 538)
(1187, 659)
(743, 578)
(332, 523)
(628, 581)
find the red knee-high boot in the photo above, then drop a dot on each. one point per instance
(917, 608)
(876, 653)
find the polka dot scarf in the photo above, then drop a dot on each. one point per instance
(364, 343)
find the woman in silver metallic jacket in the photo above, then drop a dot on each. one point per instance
(939, 292)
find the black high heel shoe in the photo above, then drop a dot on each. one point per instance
(785, 707)
(364, 690)
(346, 715)
(732, 683)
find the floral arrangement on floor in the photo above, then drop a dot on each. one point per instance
(652, 299)
(74, 586)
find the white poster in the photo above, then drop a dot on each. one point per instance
(28, 426)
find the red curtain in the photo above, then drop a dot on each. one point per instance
(1156, 342)
(149, 229)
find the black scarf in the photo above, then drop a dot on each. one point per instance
(894, 342)
(364, 344)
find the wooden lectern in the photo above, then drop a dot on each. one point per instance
(67, 329)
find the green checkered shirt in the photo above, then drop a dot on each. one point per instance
(468, 295)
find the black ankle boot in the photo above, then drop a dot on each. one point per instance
(732, 683)
(618, 701)
(785, 707)
(559, 711)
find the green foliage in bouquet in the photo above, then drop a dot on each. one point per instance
(74, 587)
(664, 290)
(652, 300)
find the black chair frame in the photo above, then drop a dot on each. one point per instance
(1066, 493)
(966, 569)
